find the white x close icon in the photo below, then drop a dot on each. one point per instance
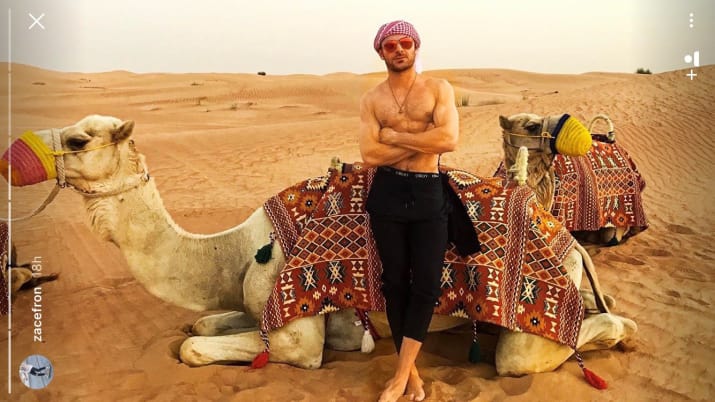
(36, 21)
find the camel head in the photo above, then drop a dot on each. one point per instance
(544, 137)
(550, 135)
(93, 156)
(100, 149)
(524, 130)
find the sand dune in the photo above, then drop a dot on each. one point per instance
(219, 145)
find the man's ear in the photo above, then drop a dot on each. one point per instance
(505, 123)
(123, 132)
(382, 56)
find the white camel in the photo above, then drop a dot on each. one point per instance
(218, 271)
(525, 129)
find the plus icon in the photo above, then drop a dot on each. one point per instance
(691, 75)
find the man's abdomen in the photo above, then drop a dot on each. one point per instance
(424, 163)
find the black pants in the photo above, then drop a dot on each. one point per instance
(408, 213)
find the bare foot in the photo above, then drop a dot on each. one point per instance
(394, 389)
(415, 386)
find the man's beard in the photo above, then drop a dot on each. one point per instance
(395, 69)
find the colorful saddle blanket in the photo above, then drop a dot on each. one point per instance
(600, 189)
(516, 280)
(4, 258)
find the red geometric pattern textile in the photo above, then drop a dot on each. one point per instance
(331, 259)
(600, 189)
(517, 280)
(4, 259)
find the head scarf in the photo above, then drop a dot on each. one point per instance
(398, 27)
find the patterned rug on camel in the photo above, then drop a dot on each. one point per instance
(516, 278)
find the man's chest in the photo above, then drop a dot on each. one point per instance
(411, 114)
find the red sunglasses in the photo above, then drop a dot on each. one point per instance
(391, 45)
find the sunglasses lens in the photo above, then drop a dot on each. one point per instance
(406, 43)
(390, 46)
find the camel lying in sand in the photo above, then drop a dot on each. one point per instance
(525, 129)
(218, 271)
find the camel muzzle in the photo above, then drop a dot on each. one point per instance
(571, 137)
(28, 161)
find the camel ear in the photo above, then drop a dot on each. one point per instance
(123, 132)
(505, 123)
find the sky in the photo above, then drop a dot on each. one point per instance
(326, 36)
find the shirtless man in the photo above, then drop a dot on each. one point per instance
(407, 121)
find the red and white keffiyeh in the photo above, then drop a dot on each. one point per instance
(398, 27)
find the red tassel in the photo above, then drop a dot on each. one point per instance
(593, 379)
(261, 360)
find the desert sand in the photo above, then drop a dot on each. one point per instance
(219, 145)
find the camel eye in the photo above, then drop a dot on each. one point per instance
(76, 144)
(532, 127)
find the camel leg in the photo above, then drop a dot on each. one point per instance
(604, 331)
(590, 271)
(298, 343)
(519, 353)
(612, 236)
(621, 232)
(344, 331)
(589, 301)
(232, 322)
(573, 263)
(607, 236)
